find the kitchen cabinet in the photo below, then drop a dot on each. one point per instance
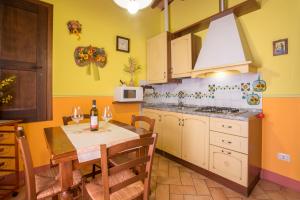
(157, 115)
(172, 131)
(158, 59)
(184, 52)
(229, 164)
(195, 140)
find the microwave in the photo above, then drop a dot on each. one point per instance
(128, 94)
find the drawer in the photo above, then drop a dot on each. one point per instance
(229, 164)
(231, 142)
(7, 150)
(7, 163)
(7, 138)
(234, 127)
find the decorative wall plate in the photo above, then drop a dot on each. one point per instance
(74, 27)
(259, 85)
(253, 99)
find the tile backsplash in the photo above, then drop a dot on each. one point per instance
(228, 91)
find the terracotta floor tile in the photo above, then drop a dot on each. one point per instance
(269, 186)
(197, 197)
(276, 195)
(162, 192)
(168, 180)
(211, 183)
(173, 171)
(217, 194)
(182, 189)
(290, 194)
(176, 197)
(201, 187)
(186, 178)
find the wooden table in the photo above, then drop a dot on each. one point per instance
(64, 153)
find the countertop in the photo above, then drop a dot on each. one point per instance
(243, 116)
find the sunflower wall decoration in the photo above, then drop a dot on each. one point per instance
(6, 87)
(85, 56)
(74, 27)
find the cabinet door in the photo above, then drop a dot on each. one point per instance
(154, 114)
(229, 164)
(172, 133)
(181, 56)
(157, 59)
(195, 140)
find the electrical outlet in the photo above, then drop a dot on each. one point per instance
(284, 157)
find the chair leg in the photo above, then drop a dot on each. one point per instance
(94, 171)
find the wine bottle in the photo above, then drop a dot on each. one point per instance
(94, 122)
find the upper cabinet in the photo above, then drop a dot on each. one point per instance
(158, 58)
(184, 52)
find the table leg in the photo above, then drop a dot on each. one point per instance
(66, 179)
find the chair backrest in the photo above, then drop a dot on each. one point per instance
(67, 119)
(149, 121)
(29, 172)
(125, 148)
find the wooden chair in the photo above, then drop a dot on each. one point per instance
(134, 119)
(149, 121)
(120, 182)
(66, 120)
(45, 184)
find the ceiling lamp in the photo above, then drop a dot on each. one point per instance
(133, 5)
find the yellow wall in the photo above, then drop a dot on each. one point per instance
(101, 21)
(277, 19)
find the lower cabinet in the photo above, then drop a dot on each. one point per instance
(172, 131)
(229, 164)
(157, 115)
(195, 140)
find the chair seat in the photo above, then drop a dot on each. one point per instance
(95, 187)
(48, 184)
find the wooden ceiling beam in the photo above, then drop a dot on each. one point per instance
(239, 10)
(159, 4)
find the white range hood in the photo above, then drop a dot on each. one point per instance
(223, 49)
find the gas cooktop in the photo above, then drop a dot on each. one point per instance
(220, 110)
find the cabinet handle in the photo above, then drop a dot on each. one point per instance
(224, 126)
(1, 150)
(159, 118)
(179, 122)
(228, 153)
(164, 74)
(2, 164)
(182, 122)
(228, 142)
(1, 136)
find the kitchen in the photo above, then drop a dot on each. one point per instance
(225, 107)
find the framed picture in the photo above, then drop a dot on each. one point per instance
(123, 44)
(280, 47)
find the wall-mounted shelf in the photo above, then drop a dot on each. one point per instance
(238, 10)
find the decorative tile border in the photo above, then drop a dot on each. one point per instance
(231, 91)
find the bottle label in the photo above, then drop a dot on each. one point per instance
(94, 122)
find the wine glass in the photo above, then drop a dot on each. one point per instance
(77, 114)
(107, 114)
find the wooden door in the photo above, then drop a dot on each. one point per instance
(158, 58)
(229, 164)
(25, 52)
(155, 114)
(195, 140)
(172, 130)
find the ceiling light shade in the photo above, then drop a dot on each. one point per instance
(133, 5)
